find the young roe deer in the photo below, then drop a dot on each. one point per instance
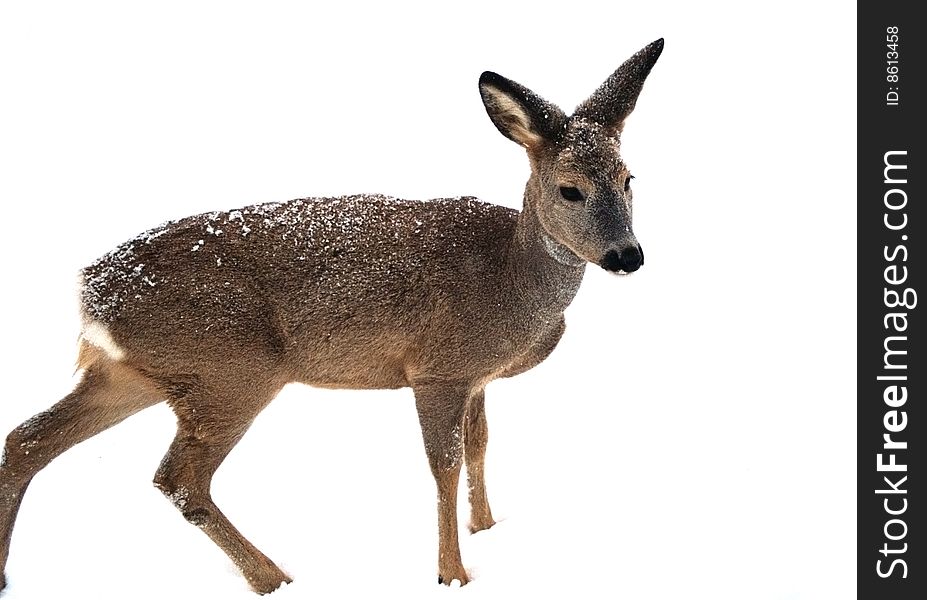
(215, 313)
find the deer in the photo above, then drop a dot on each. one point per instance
(215, 313)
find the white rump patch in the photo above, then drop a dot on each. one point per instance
(97, 334)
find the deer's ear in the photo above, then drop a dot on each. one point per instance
(611, 104)
(520, 114)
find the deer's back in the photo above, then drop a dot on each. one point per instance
(339, 291)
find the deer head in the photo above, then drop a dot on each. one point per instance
(580, 188)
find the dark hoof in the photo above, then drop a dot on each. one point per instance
(463, 578)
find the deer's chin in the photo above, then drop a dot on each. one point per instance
(618, 273)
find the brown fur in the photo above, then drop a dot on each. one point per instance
(216, 313)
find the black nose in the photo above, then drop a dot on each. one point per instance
(630, 259)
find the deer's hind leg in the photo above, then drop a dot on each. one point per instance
(476, 434)
(209, 424)
(107, 393)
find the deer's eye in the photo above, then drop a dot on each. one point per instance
(627, 183)
(571, 193)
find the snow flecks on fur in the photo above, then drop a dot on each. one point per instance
(99, 296)
(454, 451)
(589, 147)
(179, 497)
(308, 227)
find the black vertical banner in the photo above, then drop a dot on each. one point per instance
(892, 369)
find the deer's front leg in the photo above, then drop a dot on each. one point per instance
(441, 407)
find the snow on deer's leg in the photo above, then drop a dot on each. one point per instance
(476, 434)
(106, 394)
(207, 430)
(441, 407)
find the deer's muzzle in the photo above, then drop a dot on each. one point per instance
(628, 259)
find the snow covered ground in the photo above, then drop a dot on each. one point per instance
(692, 437)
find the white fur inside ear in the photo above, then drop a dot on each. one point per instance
(510, 115)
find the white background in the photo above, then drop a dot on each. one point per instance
(692, 437)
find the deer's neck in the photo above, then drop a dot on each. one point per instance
(544, 273)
